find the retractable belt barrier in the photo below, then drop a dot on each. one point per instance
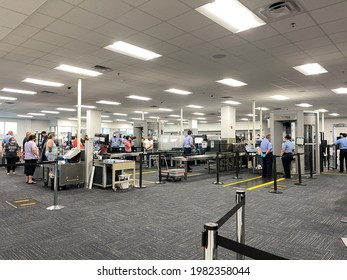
(211, 240)
(159, 167)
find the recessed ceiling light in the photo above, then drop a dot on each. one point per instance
(251, 115)
(201, 118)
(138, 119)
(334, 114)
(340, 90)
(87, 106)
(244, 119)
(50, 112)
(198, 114)
(231, 82)
(279, 97)
(67, 109)
(42, 82)
(121, 120)
(78, 70)
(304, 105)
(37, 114)
(178, 91)
(120, 114)
(310, 69)
(107, 121)
(140, 112)
(105, 116)
(231, 14)
(170, 123)
(131, 50)
(7, 98)
(181, 119)
(136, 97)
(262, 108)
(153, 117)
(202, 121)
(108, 102)
(174, 116)
(195, 106)
(72, 119)
(25, 116)
(13, 90)
(165, 109)
(322, 110)
(231, 102)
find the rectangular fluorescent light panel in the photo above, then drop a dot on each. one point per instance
(279, 97)
(121, 120)
(231, 82)
(340, 90)
(304, 105)
(25, 116)
(334, 114)
(200, 118)
(322, 110)
(120, 114)
(178, 91)
(231, 14)
(42, 82)
(174, 116)
(165, 109)
(78, 70)
(310, 69)
(262, 108)
(107, 121)
(7, 98)
(37, 114)
(131, 50)
(153, 117)
(107, 102)
(251, 115)
(136, 97)
(87, 106)
(137, 119)
(140, 112)
(231, 102)
(104, 116)
(50, 112)
(67, 109)
(199, 114)
(18, 91)
(195, 106)
(244, 119)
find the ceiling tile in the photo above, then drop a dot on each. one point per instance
(190, 21)
(211, 32)
(206, 49)
(272, 42)
(342, 46)
(316, 4)
(330, 13)
(28, 52)
(195, 3)
(26, 7)
(66, 29)
(164, 12)
(164, 48)
(322, 50)
(335, 26)
(228, 42)
(137, 20)
(259, 33)
(301, 21)
(185, 41)
(25, 31)
(135, 3)
(51, 38)
(10, 19)
(164, 31)
(13, 39)
(328, 57)
(75, 2)
(313, 43)
(96, 39)
(4, 31)
(304, 34)
(107, 8)
(38, 20)
(83, 47)
(285, 49)
(142, 40)
(55, 8)
(44, 63)
(115, 30)
(38, 45)
(339, 37)
(84, 18)
(19, 58)
(6, 47)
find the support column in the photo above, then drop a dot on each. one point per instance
(261, 123)
(323, 123)
(93, 122)
(193, 125)
(79, 103)
(228, 121)
(253, 138)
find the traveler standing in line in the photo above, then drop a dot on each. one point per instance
(148, 145)
(42, 145)
(31, 156)
(114, 143)
(26, 139)
(266, 153)
(7, 138)
(51, 151)
(287, 155)
(11, 152)
(134, 144)
(187, 147)
(342, 144)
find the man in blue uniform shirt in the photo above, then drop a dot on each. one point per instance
(266, 153)
(342, 144)
(187, 147)
(287, 155)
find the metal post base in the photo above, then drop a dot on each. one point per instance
(344, 220)
(160, 182)
(299, 184)
(273, 191)
(217, 183)
(55, 207)
(138, 187)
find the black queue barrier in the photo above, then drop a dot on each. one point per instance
(141, 186)
(159, 169)
(237, 165)
(274, 169)
(211, 240)
(311, 163)
(217, 169)
(299, 183)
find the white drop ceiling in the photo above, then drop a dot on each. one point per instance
(38, 35)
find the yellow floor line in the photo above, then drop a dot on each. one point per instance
(243, 181)
(195, 174)
(149, 182)
(26, 204)
(21, 200)
(146, 172)
(263, 185)
(336, 174)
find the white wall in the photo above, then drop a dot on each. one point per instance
(328, 128)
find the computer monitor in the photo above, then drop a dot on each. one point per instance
(198, 140)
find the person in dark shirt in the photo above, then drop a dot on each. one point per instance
(11, 152)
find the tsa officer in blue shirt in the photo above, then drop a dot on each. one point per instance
(287, 155)
(342, 144)
(267, 155)
(187, 147)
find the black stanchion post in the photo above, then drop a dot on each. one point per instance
(328, 156)
(311, 162)
(159, 169)
(240, 221)
(299, 171)
(217, 170)
(210, 248)
(237, 165)
(335, 159)
(275, 176)
(141, 170)
(55, 205)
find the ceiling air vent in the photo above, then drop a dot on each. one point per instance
(48, 92)
(102, 69)
(153, 106)
(280, 10)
